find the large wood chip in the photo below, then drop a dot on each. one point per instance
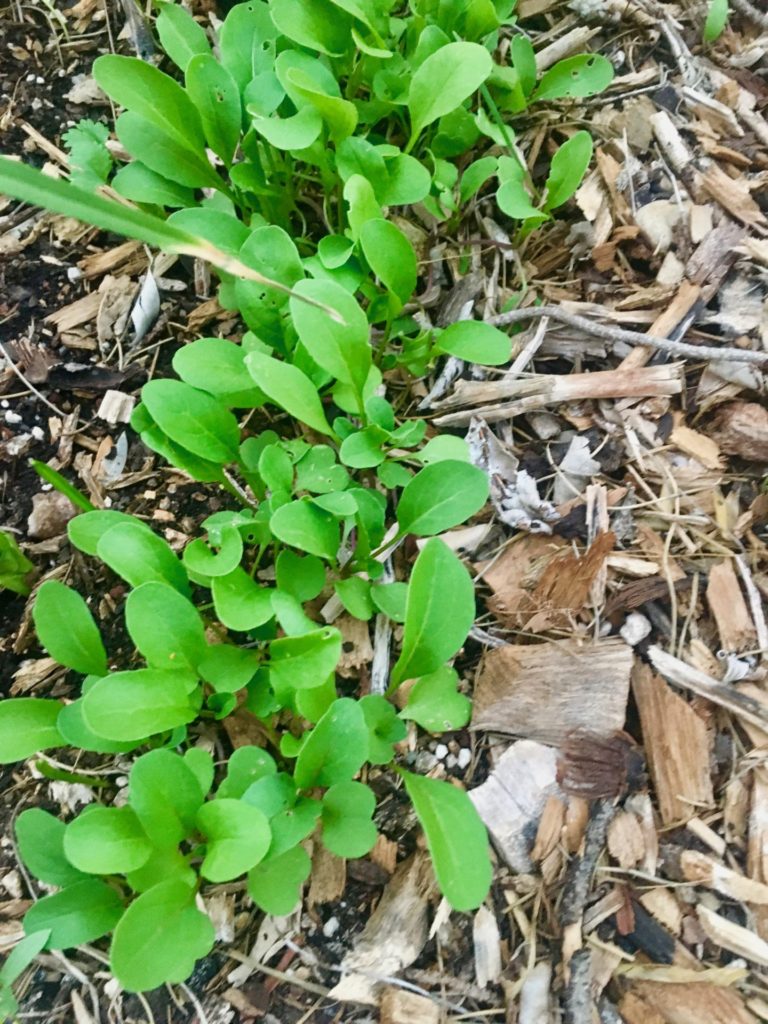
(741, 428)
(650, 1002)
(677, 745)
(546, 691)
(733, 195)
(394, 936)
(401, 1007)
(512, 799)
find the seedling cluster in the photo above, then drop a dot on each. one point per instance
(288, 157)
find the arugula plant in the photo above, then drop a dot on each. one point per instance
(279, 157)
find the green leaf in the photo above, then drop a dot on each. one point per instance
(32, 186)
(193, 419)
(355, 594)
(476, 175)
(143, 89)
(363, 204)
(218, 366)
(180, 35)
(444, 447)
(163, 864)
(40, 838)
(17, 961)
(341, 349)
(166, 796)
(456, 838)
(245, 766)
(200, 763)
(301, 576)
(363, 449)
(316, 24)
(441, 496)
(717, 18)
(390, 598)
(216, 96)
(180, 641)
(408, 181)
(78, 914)
(475, 342)
(444, 81)
(435, 704)
(238, 837)
(289, 388)
(106, 841)
(335, 749)
(89, 159)
(292, 133)
(198, 557)
(339, 114)
(575, 77)
(163, 154)
(275, 884)
(160, 937)
(524, 62)
(569, 164)
(390, 256)
(27, 725)
(141, 184)
(512, 196)
(139, 704)
(439, 612)
(140, 556)
(384, 728)
(86, 530)
(74, 730)
(347, 827)
(65, 627)
(303, 662)
(14, 566)
(228, 668)
(241, 604)
(305, 526)
(247, 37)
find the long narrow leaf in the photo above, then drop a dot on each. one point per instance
(32, 186)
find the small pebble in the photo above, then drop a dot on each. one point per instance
(50, 514)
(330, 927)
(451, 761)
(463, 757)
(38, 433)
(441, 751)
(425, 761)
(12, 418)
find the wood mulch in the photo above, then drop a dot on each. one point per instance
(618, 746)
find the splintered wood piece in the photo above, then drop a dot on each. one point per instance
(512, 799)
(510, 577)
(733, 937)
(703, 870)
(664, 325)
(553, 389)
(565, 584)
(546, 691)
(697, 445)
(329, 877)
(81, 311)
(626, 842)
(681, 674)
(757, 848)
(649, 1002)
(733, 195)
(730, 611)
(677, 745)
(401, 1007)
(394, 935)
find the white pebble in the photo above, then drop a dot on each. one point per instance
(38, 433)
(12, 417)
(463, 757)
(74, 273)
(450, 761)
(330, 927)
(441, 751)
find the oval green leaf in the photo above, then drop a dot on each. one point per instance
(66, 629)
(441, 496)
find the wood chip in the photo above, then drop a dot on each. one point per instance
(651, 1002)
(677, 745)
(704, 870)
(545, 691)
(394, 934)
(730, 610)
(401, 1007)
(733, 937)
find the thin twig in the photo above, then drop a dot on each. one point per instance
(618, 334)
